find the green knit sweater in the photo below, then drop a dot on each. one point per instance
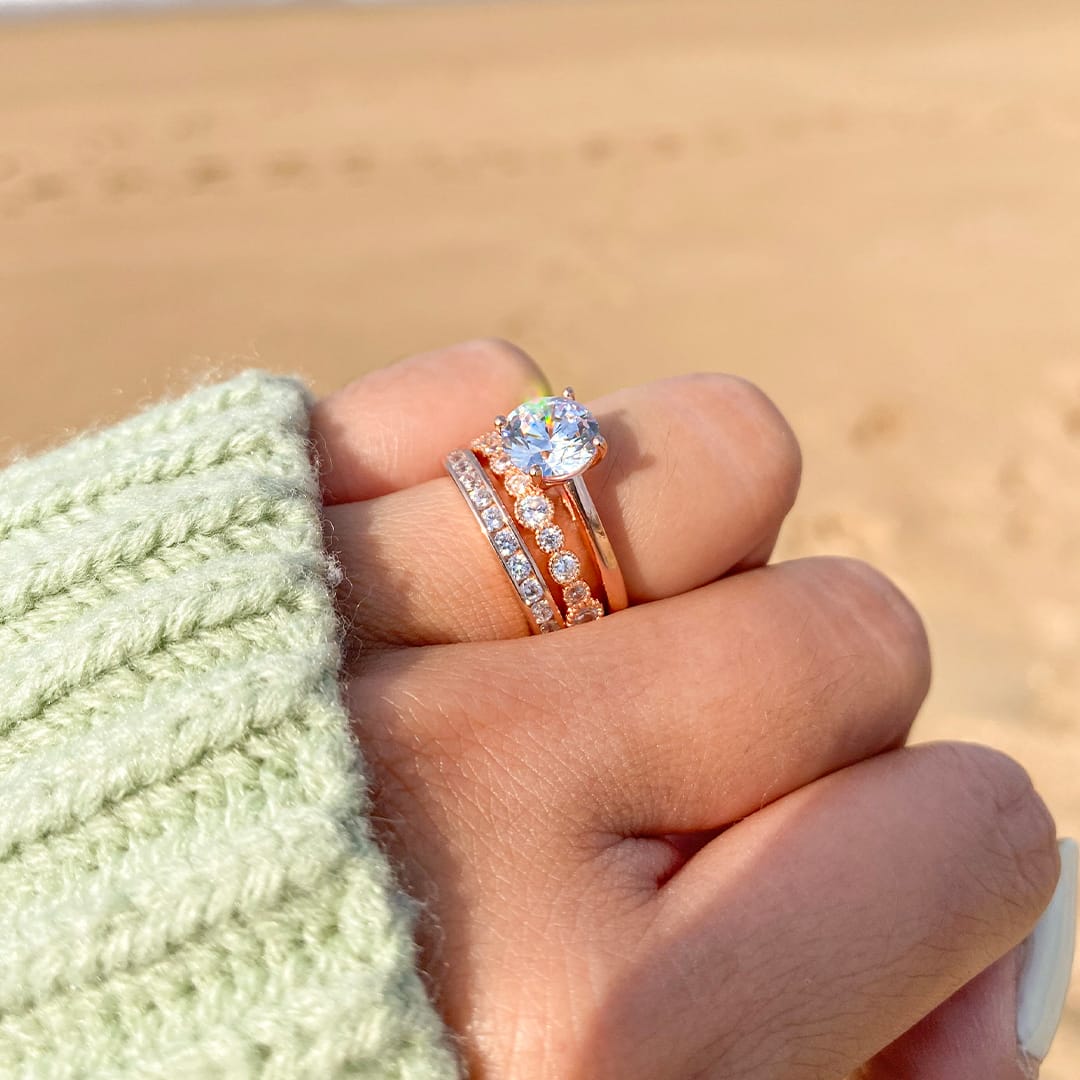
(188, 883)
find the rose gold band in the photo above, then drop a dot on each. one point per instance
(534, 509)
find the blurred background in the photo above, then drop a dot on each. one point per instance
(872, 210)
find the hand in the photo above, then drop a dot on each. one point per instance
(687, 840)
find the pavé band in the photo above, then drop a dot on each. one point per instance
(525, 576)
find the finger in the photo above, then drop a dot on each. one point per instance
(972, 1036)
(691, 713)
(700, 474)
(390, 429)
(829, 923)
(791, 671)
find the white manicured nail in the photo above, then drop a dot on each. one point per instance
(1047, 964)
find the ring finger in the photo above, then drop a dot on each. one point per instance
(699, 477)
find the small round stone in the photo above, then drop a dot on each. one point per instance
(549, 538)
(534, 511)
(481, 497)
(506, 542)
(519, 566)
(531, 590)
(589, 612)
(517, 483)
(541, 612)
(564, 566)
(555, 433)
(549, 627)
(576, 592)
(493, 517)
(470, 479)
(499, 463)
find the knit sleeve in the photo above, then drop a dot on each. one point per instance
(189, 886)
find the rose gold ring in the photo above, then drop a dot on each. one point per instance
(541, 450)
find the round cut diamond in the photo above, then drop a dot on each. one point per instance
(505, 542)
(589, 612)
(493, 517)
(542, 612)
(519, 566)
(531, 590)
(564, 566)
(480, 496)
(534, 511)
(517, 483)
(549, 538)
(555, 433)
(576, 592)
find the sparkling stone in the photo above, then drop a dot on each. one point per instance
(586, 613)
(493, 517)
(499, 463)
(518, 565)
(549, 538)
(470, 479)
(487, 443)
(564, 566)
(517, 483)
(505, 542)
(481, 497)
(576, 592)
(534, 511)
(549, 627)
(531, 590)
(542, 612)
(459, 460)
(553, 432)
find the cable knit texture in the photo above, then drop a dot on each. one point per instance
(188, 883)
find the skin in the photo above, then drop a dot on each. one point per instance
(687, 840)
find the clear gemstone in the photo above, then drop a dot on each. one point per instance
(481, 497)
(506, 542)
(564, 566)
(487, 443)
(576, 592)
(519, 566)
(549, 538)
(549, 627)
(517, 483)
(542, 612)
(586, 613)
(459, 460)
(533, 511)
(493, 517)
(499, 463)
(531, 590)
(555, 433)
(470, 480)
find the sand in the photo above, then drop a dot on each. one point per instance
(871, 210)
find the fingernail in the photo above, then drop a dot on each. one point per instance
(1047, 965)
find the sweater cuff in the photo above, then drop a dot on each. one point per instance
(189, 886)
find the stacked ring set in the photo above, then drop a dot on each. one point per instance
(525, 486)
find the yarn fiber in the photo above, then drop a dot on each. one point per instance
(189, 886)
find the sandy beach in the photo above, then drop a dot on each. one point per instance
(870, 211)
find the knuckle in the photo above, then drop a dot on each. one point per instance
(867, 596)
(501, 353)
(774, 459)
(1013, 828)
